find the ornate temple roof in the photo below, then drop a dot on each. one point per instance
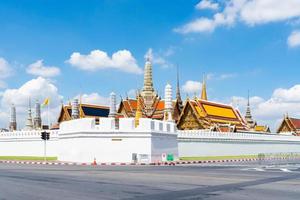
(289, 124)
(128, 108)
(208, 114)
(86, 110)
(261, 128)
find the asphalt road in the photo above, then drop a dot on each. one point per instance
(30, 182)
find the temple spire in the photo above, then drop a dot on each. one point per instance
(178, 96)
(168, 103)
(13, 118)
(203, 92)
(29, 125)
(248, 115)
(148, 94)
(75, 109)
(148, 81)
(112, 109)
(37, 121)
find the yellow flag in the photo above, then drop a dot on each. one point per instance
(46, 101)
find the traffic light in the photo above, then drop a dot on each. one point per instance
(45, 135)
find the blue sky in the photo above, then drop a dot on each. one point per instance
(237, 49)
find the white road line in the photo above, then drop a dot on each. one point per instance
(285, 170)
(259, 169)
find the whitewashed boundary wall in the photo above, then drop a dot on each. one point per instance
(201, 143)
(27, 143)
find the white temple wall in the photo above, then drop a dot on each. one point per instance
(27, 143)
(148, 141)
(103, 147)
(205, 143)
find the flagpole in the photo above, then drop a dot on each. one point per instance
(48, 117)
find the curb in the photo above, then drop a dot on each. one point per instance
(137, 164)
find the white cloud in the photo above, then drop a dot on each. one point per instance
(97, 60)
(192, 87)
(265, 11)
(39, 69)
(206, 4)
(94, 98)
(212, 76)
(199, 25)
(36, 89)
(294, 39)
(5, 69)
(251, 12)
(160, 58)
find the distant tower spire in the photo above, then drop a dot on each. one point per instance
(168, 103)
(13, 118)
(75, 109)
(112, 108)
(29, 125)
(203, 92)
(148, 82)
(37, 121)
(178, 96)
(148, 92)
(138, 113)
(248, 115)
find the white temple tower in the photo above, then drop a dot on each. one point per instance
(148, 92)
(75, 109)
(29, 124)
(13, 118)
(113, 103)
(168, 103)
(37, 121)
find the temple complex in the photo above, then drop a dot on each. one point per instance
(147, 101)
(289, 125)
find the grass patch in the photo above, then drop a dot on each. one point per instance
(35, 158)
(217, 157)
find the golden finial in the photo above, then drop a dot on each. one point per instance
(203, 92)
(138, 113)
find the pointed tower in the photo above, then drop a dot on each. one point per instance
(148, 93)
(178, 96)
(37, 121)
(75, 109)
(203, 92)
(13, 118)
(168, 115)
(138, 113)
(29, 124)
(248, 116)
(148, 81)
(112, 108)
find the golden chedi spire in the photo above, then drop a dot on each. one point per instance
(148, 94)
(138, 113)
(203, 92)
(148, 82)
